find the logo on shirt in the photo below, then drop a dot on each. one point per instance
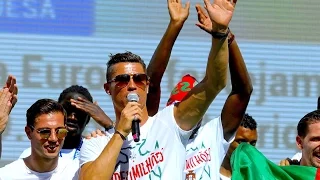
(148, 167)
(191, 176)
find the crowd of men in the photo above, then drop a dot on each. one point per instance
(175, 142)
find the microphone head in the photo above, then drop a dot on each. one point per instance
(133, 97)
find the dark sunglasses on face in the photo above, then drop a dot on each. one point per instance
(123, 80)
(46, 133)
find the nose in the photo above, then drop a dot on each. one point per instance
(72, 116)
(53, 136)
(131, 85)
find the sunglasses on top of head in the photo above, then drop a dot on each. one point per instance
(123, 80)
(45, 133)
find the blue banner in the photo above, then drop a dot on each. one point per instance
(59, 17)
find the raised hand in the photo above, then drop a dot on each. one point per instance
(204, 21)
(93, 110)
(177, 12)
(220, 13)
(8, 98)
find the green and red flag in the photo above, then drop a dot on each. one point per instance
(250, 164)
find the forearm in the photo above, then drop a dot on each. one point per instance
(217, 67)
(195, 104)
(158, 65)
(240, 79)
(104, 166)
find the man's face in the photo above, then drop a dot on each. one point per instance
(120, 89)
(310, 146)
(48, 148)
(243, 135)
(76, 118)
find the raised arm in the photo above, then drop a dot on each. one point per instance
(161, 56)
(8, 98)
(238, 100)
(104, 166)
(192, 108)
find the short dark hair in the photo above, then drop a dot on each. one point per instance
(311, 117)
(248, 122)
(43, 106)
(123, 57)
(318, 107)
(75, 89)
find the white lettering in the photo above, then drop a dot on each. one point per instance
(31, 11)
(11, 6)
(47, 10)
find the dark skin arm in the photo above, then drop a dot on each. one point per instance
(161, 56)
(238, 100)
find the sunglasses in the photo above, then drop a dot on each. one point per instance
(46, 133)
(123, 80)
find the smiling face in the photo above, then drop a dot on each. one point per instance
(76, 118)
(310, 145)
(46, 148)
(118, 88)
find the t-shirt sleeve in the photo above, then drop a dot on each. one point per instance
(220, 136)
(25, 153)
(92, 148)
(167, 116)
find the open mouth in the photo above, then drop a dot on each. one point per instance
(72, 126)
(52, 148)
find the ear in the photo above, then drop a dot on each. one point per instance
(28, 131)
(299, 142)
(107, 88)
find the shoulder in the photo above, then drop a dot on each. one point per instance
(25, 153)
(17, 166)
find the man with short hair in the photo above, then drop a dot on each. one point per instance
(246, 133)
(46, 120)
(308, 139)
(161, 150)
(78, 103)
(8, 98)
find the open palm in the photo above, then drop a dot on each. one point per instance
(220, 13)
(177, 11)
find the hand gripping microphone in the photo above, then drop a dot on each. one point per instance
(133, 97)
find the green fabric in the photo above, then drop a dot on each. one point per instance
(250, 164)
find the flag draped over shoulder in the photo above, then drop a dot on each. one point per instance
(250, 164)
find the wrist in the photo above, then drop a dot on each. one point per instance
(220, 35)
(121, 135)
(176, 23)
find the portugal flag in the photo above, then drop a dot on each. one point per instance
(250, 164)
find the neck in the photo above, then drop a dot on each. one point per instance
(71, 142)
(142, 121)
(40, 164)
(225, 168)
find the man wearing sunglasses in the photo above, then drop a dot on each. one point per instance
(46, 120)
(8, 98)
(160, 154)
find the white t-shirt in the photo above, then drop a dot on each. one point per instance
(206, 151)
(222, 177)
(160, 153)
(297, 156)
(68, 154)
(17, 170)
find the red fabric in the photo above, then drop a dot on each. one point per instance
(318, 174)
(182, 88)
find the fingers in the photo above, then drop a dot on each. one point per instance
(187, 6)
(285, 162)
(5, 97)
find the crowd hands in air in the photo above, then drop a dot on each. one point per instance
(172, 139)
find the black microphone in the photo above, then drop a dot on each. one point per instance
(133, 97)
